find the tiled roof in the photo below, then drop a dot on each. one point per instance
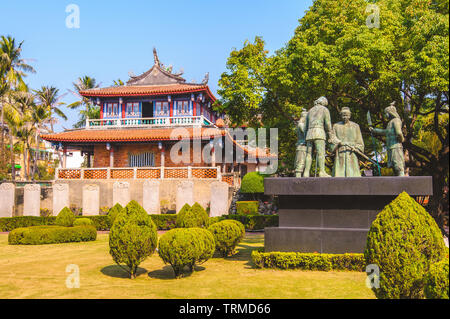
(130, 135)
(146, 135)
(141, 90)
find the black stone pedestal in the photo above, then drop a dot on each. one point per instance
(332, 215)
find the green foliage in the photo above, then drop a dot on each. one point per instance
(334, 53)
(45, 212)
(101, 222)
(208, 244)
(436, 281)
(194, 216)
(133, 237)
(83, 221)
(183, 247)
(403, 241)
(308, 261)
(254, 222)
(227, 235)
(180, 216)
(112, 214)
(252, 182)
(65, 218)
(164, 221)
(247, 207)
(40, 235)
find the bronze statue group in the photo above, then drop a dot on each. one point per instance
(345, 140)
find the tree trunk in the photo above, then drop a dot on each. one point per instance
(13, 164)
(438, 205)
(2, 146)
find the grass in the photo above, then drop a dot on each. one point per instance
(40, 272)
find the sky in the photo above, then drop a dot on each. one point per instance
(116, 37)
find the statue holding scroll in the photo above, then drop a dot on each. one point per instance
(346, 143)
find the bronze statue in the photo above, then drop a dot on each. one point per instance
(394, 140)
(318, 126)
(300, 154)
(346, 142)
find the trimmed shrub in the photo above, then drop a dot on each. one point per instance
(40, 235)
(195, 216)
(209, 244)
(254, 222)
(10, 223)
(436, 281)
(65, 218)
(308, 261)
(133, 237)
(241, 227)
(182, 247)
(101, 222)
(83, 221)
(181, 214)
(247, 207)
(227, 235)
(404, 240)
(252, 182)
(112, 213)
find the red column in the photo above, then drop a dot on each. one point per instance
(123, 106)
(101, 110)
(194, 113)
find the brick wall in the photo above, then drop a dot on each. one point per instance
(121, 151)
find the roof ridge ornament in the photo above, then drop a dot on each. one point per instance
(206, 78)
(155, 57)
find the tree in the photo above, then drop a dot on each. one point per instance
(12, 71)
(91, 110)
(336, 54)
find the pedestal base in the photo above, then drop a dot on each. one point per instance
(332, 215)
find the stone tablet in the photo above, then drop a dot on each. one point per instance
(91, 199)
(185, 194)
(219, 199)
(60, 197)
(7, 199)
(150, 198)
(121, 193)
(32, 200)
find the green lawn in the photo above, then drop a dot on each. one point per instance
(40, 272)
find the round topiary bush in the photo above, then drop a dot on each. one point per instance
(133, 237)
(403, 241)
(196, 216)
(181, 247)
(112, 213)
(252, 182)
(241, 227)
(65, 218)
(227, 235)
(208, 246)
(83, 222)
(436, 281)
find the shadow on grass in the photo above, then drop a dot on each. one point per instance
(167, 272)
(118, 272)
(243, 253)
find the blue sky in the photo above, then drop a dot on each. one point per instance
(116, 37)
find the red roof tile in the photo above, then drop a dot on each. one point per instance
(147, 90)
(130, 135)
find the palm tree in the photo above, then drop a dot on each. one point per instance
(48, 97)
(91, 110)
(12, 71)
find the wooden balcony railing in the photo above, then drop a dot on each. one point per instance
(148, 122)
(187, 172)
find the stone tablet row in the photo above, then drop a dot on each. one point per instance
(121, 195)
